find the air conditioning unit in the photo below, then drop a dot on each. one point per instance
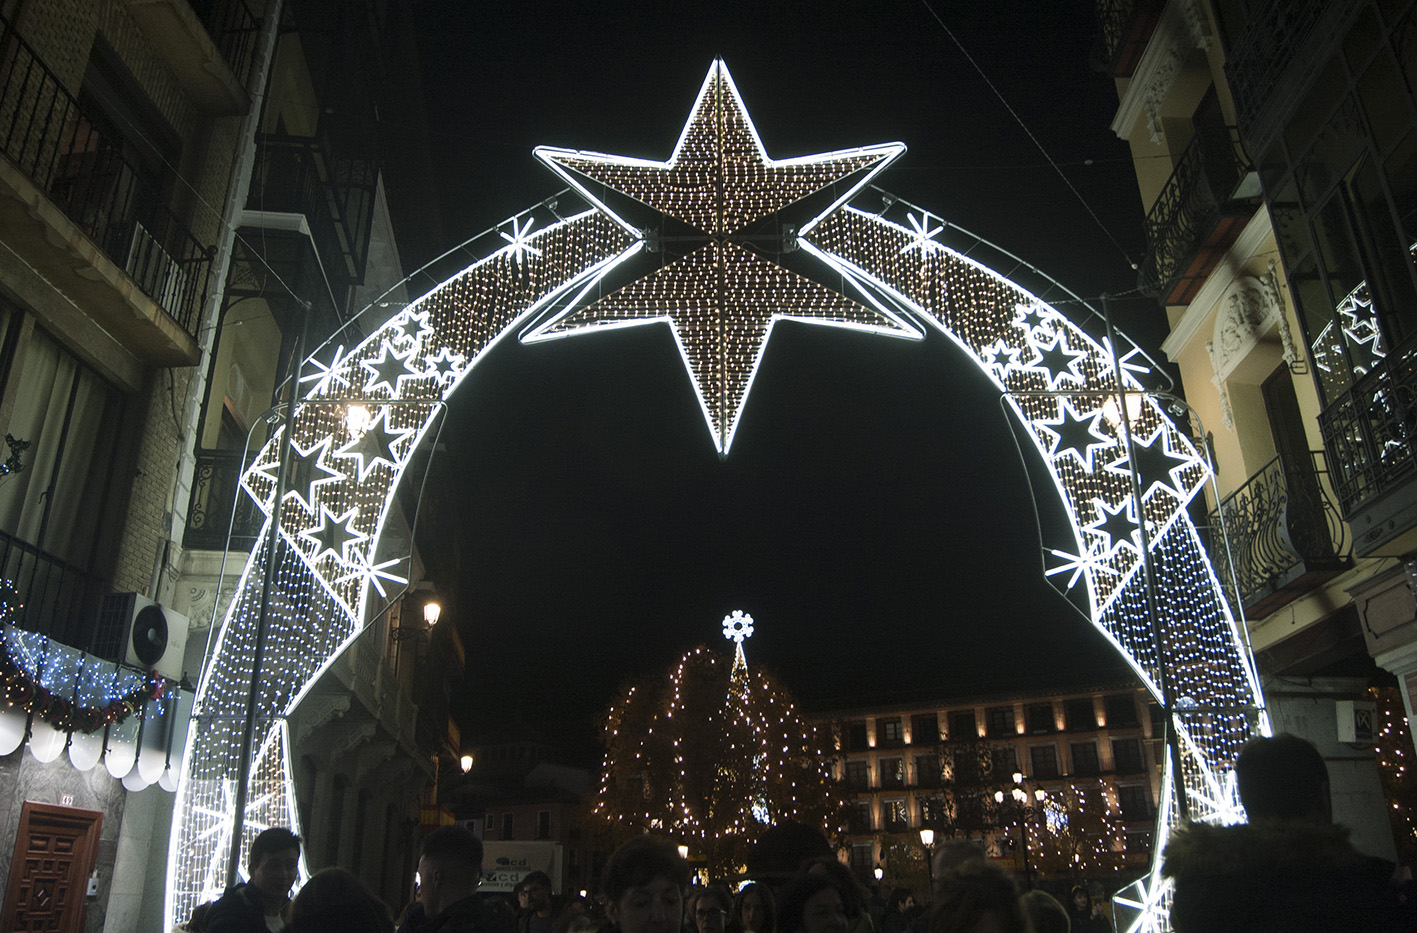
(137, 631)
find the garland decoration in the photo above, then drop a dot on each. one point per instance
(19, 687)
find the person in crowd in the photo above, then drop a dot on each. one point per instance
(977, 897)
(900, 910)
(1045, 913)
(575, 916)
(1083, 914)
(643, 885)
(259, 905)
(780, 851)
(812, 902)
(1290, 867)
(334, 900)
(449, 871)
(854, 895)
(520, 897)
(535, 898)
(691, 900)
(754, 910)
(712, 908)
(949, 855)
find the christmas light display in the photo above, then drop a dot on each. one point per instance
(711, 230)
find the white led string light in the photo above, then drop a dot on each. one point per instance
(1059, 381)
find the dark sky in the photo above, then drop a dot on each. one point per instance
(873, 516)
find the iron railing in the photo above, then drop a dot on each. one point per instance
(1127, 26)
(233, 28)
(1279, 525)
(59, 599)
(1369, 430)
(70, 155)
(216, 483)
(1189, 206)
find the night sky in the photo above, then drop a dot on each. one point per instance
(874, 516)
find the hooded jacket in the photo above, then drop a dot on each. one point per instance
(1274, 875)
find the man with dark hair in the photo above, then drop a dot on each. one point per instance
(1290, 867)
(259, 905)
(536, 915)
(449, 872)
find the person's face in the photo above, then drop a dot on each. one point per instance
(538, 896)
(656, 907)
(1080, 899)
(274, 875)
(909, 902)
(523, 898)
(709, 915)
(824, 913)
(752, 914)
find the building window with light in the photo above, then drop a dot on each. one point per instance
(1044, 759)
(897, 817)
(892, 772)
(999, 722)
(888, 731)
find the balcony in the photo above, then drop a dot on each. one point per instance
(1284, 533)
(208, 44)
(1197, 216)
(216, 484)
(1368, 434)
(1127, 26)
(60, 600)
(86, 221)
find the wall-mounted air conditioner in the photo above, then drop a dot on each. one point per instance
(137, 631)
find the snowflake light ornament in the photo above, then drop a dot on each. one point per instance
(737, 626)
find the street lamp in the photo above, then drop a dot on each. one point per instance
(432, 612)
(927, 839)
(1019, 805)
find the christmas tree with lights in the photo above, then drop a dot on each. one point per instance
(713, 755)
(1393, 747)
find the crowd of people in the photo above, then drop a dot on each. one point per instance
(1289, 868)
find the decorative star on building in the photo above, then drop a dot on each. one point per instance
(334, 534)
(308, 471)
(1090, 564)
(363, 569)
(1031, 317)
(375, 444)
(1117, 525)
(390, 370)
(324, 376)
(1056, 360)
(923, 238)
(519, 240)
(1159, 465)
(1076, 434)
(723, 294)
(444, 365)
(1002, 355)
(413, 327)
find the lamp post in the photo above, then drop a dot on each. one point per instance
(927, 839)
(1018, 803)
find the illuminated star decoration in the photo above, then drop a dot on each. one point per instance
(518, 241)
(924, 237)
(325, 377)
(1116, 524)
(413, 327)
(390, 370)
(308, 471)
(1076, 434)
(373, 574)
(1056, 360)
(1160, 465)
(334, 534)
(722, 298)
(375, 444)
(444, 365)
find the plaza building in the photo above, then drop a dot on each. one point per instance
(186, 188)
(1275, 149)
(1088, 758)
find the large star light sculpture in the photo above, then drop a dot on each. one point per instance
(734, 207)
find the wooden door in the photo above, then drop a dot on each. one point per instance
(55, 851)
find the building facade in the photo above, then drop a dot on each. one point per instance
(1274, 150)
(953, 766)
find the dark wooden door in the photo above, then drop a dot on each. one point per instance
(55, 851)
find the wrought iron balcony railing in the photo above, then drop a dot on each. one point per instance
(1189, 219)
(1369, 431)
(60, 600)
(216, 484)
(1127, 26)
(64, 152)
(1284, 534)
(233, 28)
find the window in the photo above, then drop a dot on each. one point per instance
(999, 722)
(962, 727)
(543, 824)
(892, 772)
(1044, 759)
(925, 728)
(862, 858)
(488, 822)
(1004, 760)
(1137, 840)
(1079, 714)
(888, 731)
(1126, 756)
(1135, 802)
(506, 825)
(1121, 711)
(897, 818)
(1040, 718)
(1085, 760)
(858, 775)
(927, 770)
(932, 811)
(859, 817)
(856, 736)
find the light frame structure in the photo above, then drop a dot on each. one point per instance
(1124, 474)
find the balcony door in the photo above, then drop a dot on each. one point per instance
(1304, 519)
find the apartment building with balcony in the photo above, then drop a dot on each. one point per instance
(1274, 147)
(939, 766)
(185, 186)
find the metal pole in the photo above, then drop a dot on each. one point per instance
(238, 818)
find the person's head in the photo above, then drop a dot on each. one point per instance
(1045, 913)
(519, 894)
(754, 909)
(273, 862)
(643, 883)
(781, 850)
(335, 899)
(711, 909)
(1283, 778)
(537, 888)
(977, 897)
(812, 903)
(853, 894)
(449, 868)
(1080, 900)
(900, 901)
(949, 855)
